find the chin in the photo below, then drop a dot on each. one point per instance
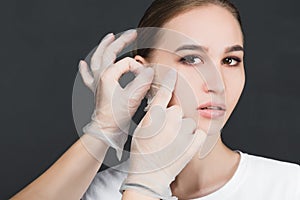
(206, 124)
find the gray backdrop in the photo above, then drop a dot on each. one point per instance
(42, 42)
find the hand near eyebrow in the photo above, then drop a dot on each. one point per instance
(70, 176)
(114, 106)
(163, 143)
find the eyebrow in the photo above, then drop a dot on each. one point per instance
(192, 47)
(234, 48)
(205, 49)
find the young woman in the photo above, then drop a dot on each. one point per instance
(219, 173)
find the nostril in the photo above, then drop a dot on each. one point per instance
(215, 87)
(207, 89)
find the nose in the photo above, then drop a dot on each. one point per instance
(213, 81)
(213, 86)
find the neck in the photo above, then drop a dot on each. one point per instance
(201, 177)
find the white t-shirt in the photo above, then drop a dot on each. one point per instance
(256, 178)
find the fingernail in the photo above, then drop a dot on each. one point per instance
(80, 63)
(108, 36)
(129, 32)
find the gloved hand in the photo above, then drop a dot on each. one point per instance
(163, 143)
(114, 105)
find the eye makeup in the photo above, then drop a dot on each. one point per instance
(231, 59)
(191, 60)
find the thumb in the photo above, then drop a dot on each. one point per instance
(192, 144)
(137, 89)
(199, 139)
(197, 142)
(87, 78)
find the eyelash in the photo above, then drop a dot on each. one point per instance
(238, 61)
(185, 59)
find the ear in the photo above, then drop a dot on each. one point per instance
(141, 60)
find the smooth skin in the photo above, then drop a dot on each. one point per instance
(214, 28)
(199, 177)
(69, 177)
(163, 143)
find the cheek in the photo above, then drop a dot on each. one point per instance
(234, 85)
(186, 93)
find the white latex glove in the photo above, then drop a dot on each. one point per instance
(163, 143)
(114, 105)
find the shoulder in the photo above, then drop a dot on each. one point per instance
(271, 166)
(273, 175)
(106, 183)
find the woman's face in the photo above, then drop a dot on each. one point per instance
(219, 34)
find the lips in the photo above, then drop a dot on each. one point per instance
(212, 110)
(212, 106)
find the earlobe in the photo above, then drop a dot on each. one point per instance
(140, 59)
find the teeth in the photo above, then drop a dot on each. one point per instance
(213, 108)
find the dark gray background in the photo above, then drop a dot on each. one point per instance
(42, 42)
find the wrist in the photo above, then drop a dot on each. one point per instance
(115, 140)
(151, 183)
(106, 126)
(134, 194)
(95, 147)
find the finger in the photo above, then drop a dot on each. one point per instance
(201, 137)
(183, 130)
(175, 111)
(183, 136)
(164, 94)
(188, 126)
(96, 59)
(85, 74)
(138, 88)
(125, 65)
(181, 150)
(110, 53)
(195, 143)
(171, 127)
(187, 148)
(152, 123)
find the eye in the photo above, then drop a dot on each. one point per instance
(191, 60)
(231, 61)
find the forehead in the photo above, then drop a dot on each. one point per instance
(211, 26)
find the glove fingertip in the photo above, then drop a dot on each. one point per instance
(119, 154)
(149, 72)
(170, 79)
(200, 137)
(82, 64)
(200, 134)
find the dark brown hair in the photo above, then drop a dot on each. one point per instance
(162, 11)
